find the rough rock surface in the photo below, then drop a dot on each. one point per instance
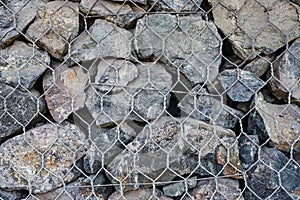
(12, 195)
(264, 178)
(25, 11)
(117, 80)
(255, 27)
(22, 64)
(22, 165)
(140, 194)
(281, 123)
(176, 5)
(56, 24)
(203, 106)
(260, 65)
(64, 91)
(240, 85)
(191, 45)
(248, 147)
(104, 40)
(177, 189)
(17, 109)
(287, 73)
(221, 188)
(195, 140)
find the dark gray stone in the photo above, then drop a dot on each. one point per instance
(177, 189)
(12, 195)
(248, 147)
(140, 194)
(17, 109)
(190, 44)
(176, 5)
(260, 65)
(240, 85)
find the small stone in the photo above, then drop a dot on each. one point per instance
(24, 10)
(240, 85)
(17, 109)
(140, 194)
(221, 188)
(273, 172)
(176, 5)
(203, 106)
(65, 94)
(119, 86)
(22, 65)
(177, 189)
(260, 65)
(23, 166)
(180, 144)
(56, 24)
(248, 147)
(287, 74)
(104, 40)
(187, 43)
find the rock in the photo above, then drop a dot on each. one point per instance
(22, 64)
(286, 71)
(203, 106)
(255, 27)
(24, 10)
(22, 165)
(176, 6)
(120, 91)
(248, 147)
(12, 195)
(240, 85)
(177, 189)
(123, 14)
(104, 40)
(260, 65)
(138, 2)
(65, 94)
(180, 144)
(191, 45)
(107, 145)
(280, 123)
(140, 194)
(56, 24)
(273, 171)
(17, 109)
(221, 188)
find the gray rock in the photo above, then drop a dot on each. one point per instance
(176, 5)
(107, 145)
(181, 145)
(188, 43)
(221, 188)
(255, 27)
(23, 166)
(139, 2)
(22, 64)
(287, 74)
(12, 195)
(104, 40)
(240, 85)
(56, 24)
(260, 65)
(273, 172)
(120, 90)
(140, 194)
(203, 106)
(177, 189)
(64, 91)
(17, 109)
(280, 123)
(25, 11)
(248, 147)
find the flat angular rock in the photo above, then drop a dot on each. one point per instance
(203, 106)
(221, 188)
(192, 44)
(120, 87)
(17, 109)
(140, 194)
(176, 5)
(177, 189)
(21, 158)
(186, 141)
(240, 85)
(287, 73)
(64, 91)
(255, 27)
(22, 64)
(139, 2)
(104, 40)
(260, 65)
(280, 123)
(25, 11)
(264, 178)
(56, 24)
(12, 195)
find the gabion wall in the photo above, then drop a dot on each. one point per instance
(149, 99)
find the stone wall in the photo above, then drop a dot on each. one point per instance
(157, 99)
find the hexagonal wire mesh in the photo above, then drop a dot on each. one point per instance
(157, 99)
